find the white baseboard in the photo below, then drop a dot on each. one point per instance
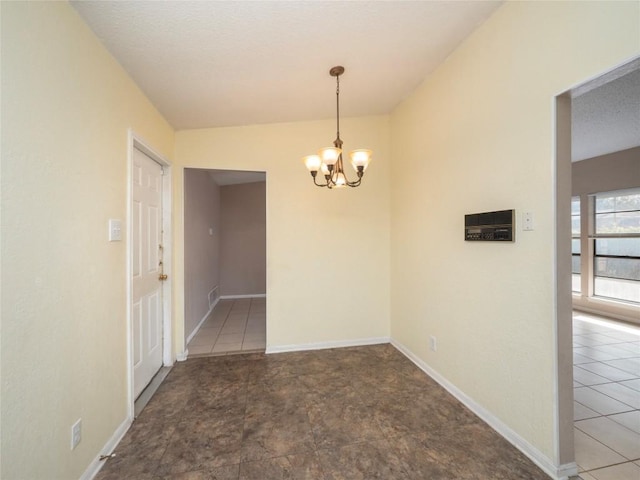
(255, 295)
(325, 345)
(95, 466)
(181, 357)
(204, 319)
(215, 294)
(611, 310)
(565, 471)
(558, 472)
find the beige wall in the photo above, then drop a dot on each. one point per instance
(66, 110)
(327, 251)
(478, 135)
(201, 249)
(243, 249)
(615, 171)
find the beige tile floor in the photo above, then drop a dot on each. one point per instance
(606, 377)
(235, 325)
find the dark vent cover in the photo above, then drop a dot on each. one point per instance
(490, 226)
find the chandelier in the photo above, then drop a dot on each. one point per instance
(329, 159)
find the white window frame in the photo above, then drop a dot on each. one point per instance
(585, 299)
(576, 237)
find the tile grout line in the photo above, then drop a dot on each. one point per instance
(604, 349)
(612, 398)
(609, 466)
(627, 460)
(246, 323)
(219, 331)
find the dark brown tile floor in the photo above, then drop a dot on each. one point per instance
(349, 413)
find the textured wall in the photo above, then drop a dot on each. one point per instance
(327, 251)
(66, 110)
(615, 171)
(201, 248)
(243, 262)
(478, 135)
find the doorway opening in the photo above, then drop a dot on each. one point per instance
(594, 133)
(225, 261)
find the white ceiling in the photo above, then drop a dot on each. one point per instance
(235, 177)
(231, 62)
(606, 119)
(224, 63)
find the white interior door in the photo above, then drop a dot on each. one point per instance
(146, 270)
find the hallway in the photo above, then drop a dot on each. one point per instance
(235, 326)
(606, 377)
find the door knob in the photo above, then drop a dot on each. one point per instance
(163, 277)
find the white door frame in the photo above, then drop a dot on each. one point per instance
(564, 453)
(563, 305)
(136, 142)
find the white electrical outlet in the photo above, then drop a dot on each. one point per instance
(76, 433)
(433, 343)
(527, 221)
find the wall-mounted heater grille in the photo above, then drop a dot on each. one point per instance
(490, 226)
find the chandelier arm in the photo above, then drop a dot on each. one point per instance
(339, 168)
(315, 182)
(355, 183)
(327, 181)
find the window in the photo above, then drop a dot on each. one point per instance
(575, 244)
(616, 237)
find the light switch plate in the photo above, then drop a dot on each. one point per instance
(115, 230)
(527, 221)
(76, 433)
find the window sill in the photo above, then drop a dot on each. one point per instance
(626, 312)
